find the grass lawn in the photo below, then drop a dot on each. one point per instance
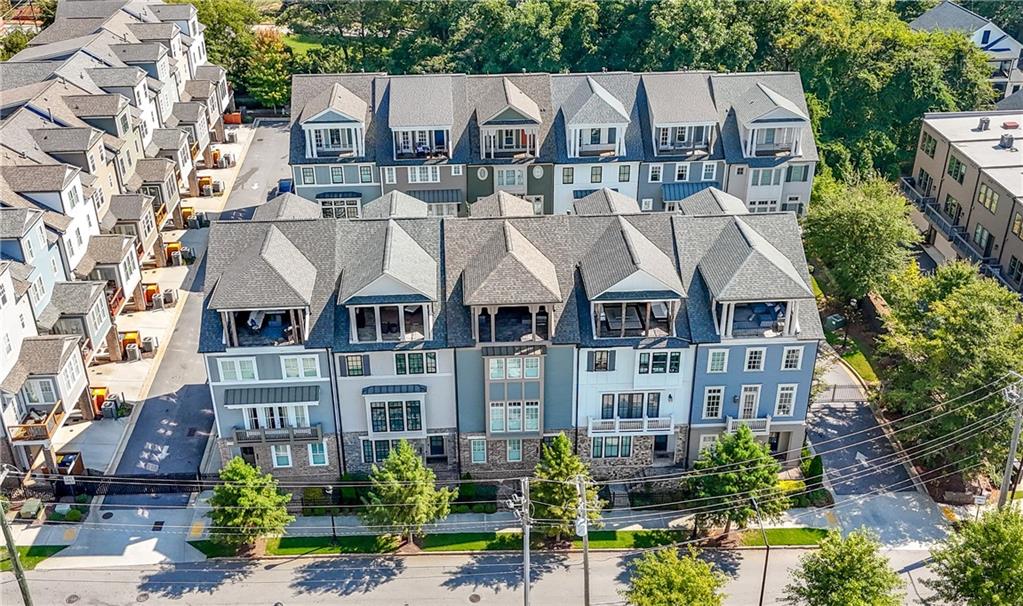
(301, 43)
(30, 556)
(856, 355)
(472, 541)
(784, 536)
(629, 539)
(212, 549)
(324, 545)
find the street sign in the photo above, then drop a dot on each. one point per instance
(69, 480)
(980, 499)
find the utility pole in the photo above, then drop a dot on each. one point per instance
(520, 505)
(582, 528)
(1012, 394)
(19, 572)
(767, 554)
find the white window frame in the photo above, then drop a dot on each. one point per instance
(389, 175)
(650, 173)
(223, 362)
(763, 359)
(326, 457)
(646, 204)
(424, 173)
(311, 180)
(273, 455)
(301, 367)
(337, 170)
(457, 170)
(473, 442)
(785, 357)
(713, 171)
(755, 389)
(508, 450)
(707, 391)
(786, 388)
(710, 360)
(707, 440)
(682, 168)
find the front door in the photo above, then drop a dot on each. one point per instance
(249, 455)
(750, 399)
(660, 445)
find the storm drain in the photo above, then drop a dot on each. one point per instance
(142, 597)
(191, 431)
(474, 598)
(158, 526)
(71, 599)
(107, 515)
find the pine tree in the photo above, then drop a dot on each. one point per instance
(404, 493)
(553, 489)
(736, 469)
(247, 505)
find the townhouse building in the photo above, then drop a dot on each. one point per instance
(1003, 51)
(451, 139)
(967, 190)
(641, 336)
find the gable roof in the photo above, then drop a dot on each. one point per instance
(287, 206)
(501, 204)
(42, 356)
(605, 201)
(621, 251)
(396, 255)
(948, 16)
(510, 270)
(420, 101)
(1013, 101)
(130, 207)
(15, 222)
(271, 273)
(591, 103)
(743, 265)
(336, 98)
(712, 201)
(511, 97)
(679, 97)
(395, 204)
(761, 100)
(66, 139)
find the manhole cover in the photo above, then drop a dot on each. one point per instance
(157, 527)
(71, 599)
(142, 597)
(108, 515)
(474, 598)
(191, 431)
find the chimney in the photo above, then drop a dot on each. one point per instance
(985, 123)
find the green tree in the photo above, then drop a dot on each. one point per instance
(13, 43)
(663, 578)
(845, 572)
(981, 563)
(728, 473)
(404, 495)
(247, 505)
(496, 36)
(553, 489)
(950, 334)
(861, 232)
(713, 37)
(268, 77)
(229, 36)
(366, 32)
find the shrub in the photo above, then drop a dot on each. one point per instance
(467, 492)
(479, 508)
(82, 499)
(490, 508)
(805, 456)
(55, 516)
(815, 473)
(460, 509)
(74, 516)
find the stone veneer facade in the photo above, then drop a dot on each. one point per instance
(300, 468)
(636, 465)
(352, 444)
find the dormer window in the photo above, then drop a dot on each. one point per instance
(595, 121)
(771, 124)
(334, 124)
(511, 128)
(683, 139)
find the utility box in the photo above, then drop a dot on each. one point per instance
(834, 322)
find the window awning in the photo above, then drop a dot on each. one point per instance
(338, 195)
(377, 390)
(256, 396)
(673, 192)
(513, 350)
(438, 195)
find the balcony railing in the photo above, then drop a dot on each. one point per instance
(759, 427)
(945, 225)
(115, 301)
(278, 434)
(649, 426)
(962, 243)
(41, 429)
(908, 187)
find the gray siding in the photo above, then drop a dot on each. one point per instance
(469, 389)
(668, 173)
(559, 388)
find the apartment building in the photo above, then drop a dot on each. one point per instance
(452, 139)
(641, 336)
(967, 189)
(1003, 51)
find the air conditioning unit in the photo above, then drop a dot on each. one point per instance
(231, 136)
(157, 302)
(176, 258)
(207, 190)
(149, 344)
(170, 297)
(218, 186)
(132, 352)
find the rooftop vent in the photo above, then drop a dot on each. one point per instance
(1006, 141)
(1010, 125)
(985, 123)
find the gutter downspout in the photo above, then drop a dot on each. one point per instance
(335, 399)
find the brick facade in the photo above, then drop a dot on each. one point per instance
(300, 468)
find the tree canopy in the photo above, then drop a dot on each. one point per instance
(663, 578)
(845, 572)
(951, 334)
(981, 563)
(268, 76)
(553, 489)
(861, 232)
(736, 468)
(247, 505)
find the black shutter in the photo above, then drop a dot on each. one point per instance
(365, 365)
(589, 361)
(342, 366)
(611, 360)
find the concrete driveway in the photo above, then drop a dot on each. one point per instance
(266, 161)
(858, 457)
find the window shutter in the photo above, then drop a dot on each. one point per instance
(589, 361)
(365, 365)
(611, 360)
(342, 366)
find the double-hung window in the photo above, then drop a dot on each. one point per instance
(424, 174)
(681, 172)
(755, 359)
(281, 454)
(337, 174)
(237, 369)
(568, 175)
(514, 448)
(713, 398)
(478, 447)
(792, 359)
(497, 417)
(301, 367)
(710, 171)
(318, 454)
(786, 401)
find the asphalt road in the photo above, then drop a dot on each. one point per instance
(395, 581)
(265, 162)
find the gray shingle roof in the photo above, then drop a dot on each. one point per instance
(188, 112)
(199, 89)
(712, 201)
(110, 249)
(75, 298)
(108, 77)
(510, 270)
(605, 201)
(420, 101)
(679, 97)
(395, 204)
(84, 9)
(590, 103)
(152, 170)
(570, 93)
(623, 251)
(96, 106)
(15, 222)
(153, 30)
(489, 95)
(760, 99)
(129, 207)
(336, 98)
(142, 52)
(31, 178)
(287, 206)
(68, 139)
(173, 12)
(501, 204)
(394, 254)
(948, 16)
(272, 273)
(509, 96)
(169, 138)
(39, 356)
(211, 72)
(1013, 101)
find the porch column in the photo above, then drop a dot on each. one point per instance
(788, 316)
(532, 318)
(139, 297)
(729, 319)
(493, 324)
(159, 252)
(312, 143)
(114, 344)
(308, 142)
(796, 132)
(795, 317)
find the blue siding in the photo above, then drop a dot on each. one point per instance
(768, 379)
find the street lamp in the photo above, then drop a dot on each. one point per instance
(329, 491)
